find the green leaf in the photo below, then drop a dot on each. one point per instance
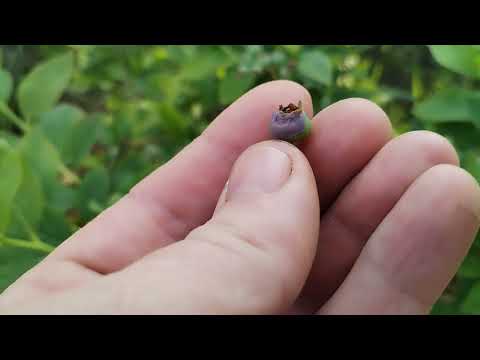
(316, 66)
(10, 180)
(43, 86)
(463, 59)
(127, 172)
(83, 137)
(464, 136)
(471, 304)
(40, 155)
(9, 138)
(442, 307)
(29, 203)
(203, 64)
(93, 189)
(14, 262)
(95, 185)
(172, 120)
(450, 105)
(471, 163)
(61, 197)
(44, 161)
(233, 86)
(54, 229)
(6, 84)
(58, 125)
(470, 267)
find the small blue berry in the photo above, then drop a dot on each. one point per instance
(290, 123)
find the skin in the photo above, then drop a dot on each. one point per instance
(341, 225)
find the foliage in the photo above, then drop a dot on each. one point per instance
(79, 125)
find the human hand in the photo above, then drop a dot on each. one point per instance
(397, 217)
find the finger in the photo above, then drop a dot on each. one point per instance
(182, 194)
(415, 252)
(252, 257)
(345, 136)
(54, 277)
(222, 199)
(366, 201)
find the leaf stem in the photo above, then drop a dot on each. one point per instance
(31, 233)
(34, 243)
(25, 244)
(14, 119)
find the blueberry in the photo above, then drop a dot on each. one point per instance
(290, 123)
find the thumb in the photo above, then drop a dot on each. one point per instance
(254, 255)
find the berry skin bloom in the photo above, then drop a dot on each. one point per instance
(290, 123)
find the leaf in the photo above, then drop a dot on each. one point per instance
(94, 186)
(471, 304)
(450, 105)
(40, 155)
(233, 86)
(30, 200)
(58, 125)
(315, 65)
(203, 64)
(29, 203)
(61, 197)
(43, 159)
(127, 172)
(470, 267)
(172, 120)
(14, 262)
(471, 163)
(464, 136)
(10, 180)
(443, 307)
(105, 134)
(54, 229)
(83, 137)
(8, 138)
(6, 84)
(43, 86)
(462, 59)
(93, 189)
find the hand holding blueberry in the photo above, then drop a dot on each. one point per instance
(349, 221)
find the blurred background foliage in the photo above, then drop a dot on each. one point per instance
(79, 125)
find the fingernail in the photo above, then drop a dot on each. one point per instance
(262, 169)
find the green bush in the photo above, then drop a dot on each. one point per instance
(79, 125)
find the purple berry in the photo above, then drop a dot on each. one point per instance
(290, 123)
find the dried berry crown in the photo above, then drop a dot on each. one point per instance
(291, 108)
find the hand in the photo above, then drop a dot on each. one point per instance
(397, 217)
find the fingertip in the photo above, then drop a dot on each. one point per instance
(291, 150)
(436, 147)
(367, 112)
(247, 120)
(292, 89)
(459, 186)
(301, 168)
